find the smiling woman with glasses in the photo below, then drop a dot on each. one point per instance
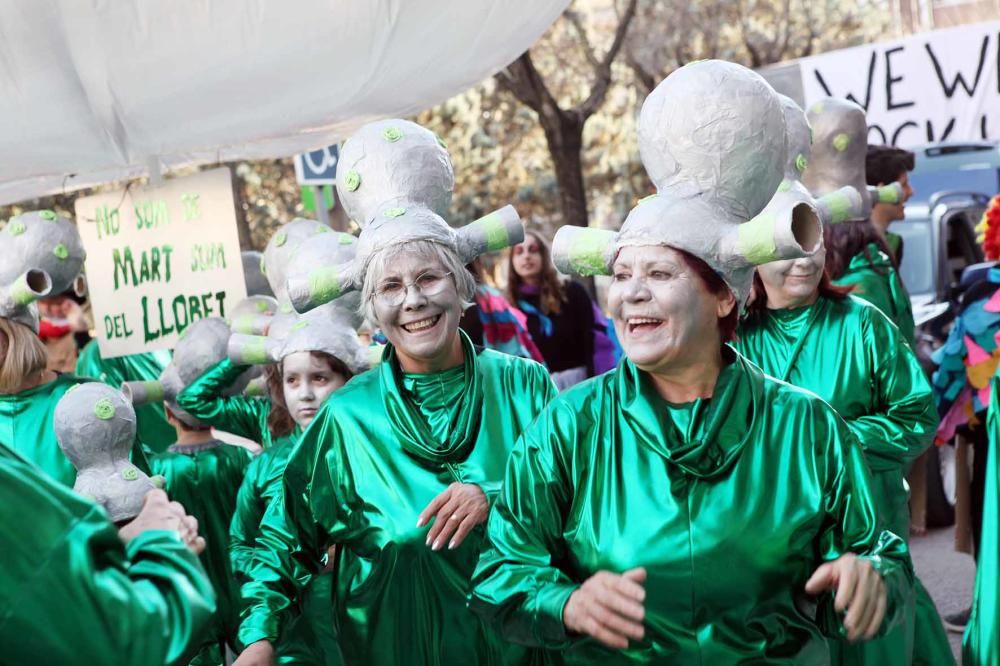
(399, 468)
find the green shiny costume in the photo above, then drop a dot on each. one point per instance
(151, 423)
(309, 639)
(730, 503)
(72, 593)
(876, 281)
(378, 452)
(981, 644)
(205, 479)
(849, 353)
(26, 427)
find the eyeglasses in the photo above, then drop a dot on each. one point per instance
(393, 292)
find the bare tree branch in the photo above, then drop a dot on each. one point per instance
(603, 71)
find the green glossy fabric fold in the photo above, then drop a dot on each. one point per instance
(206, 479)
(26, 427)
(730, 511)
(309, 637)
(152, 428)
(351, 481)
(875, 280)
(850, 354)
(72, 593)
(981, 644)
(238, 414)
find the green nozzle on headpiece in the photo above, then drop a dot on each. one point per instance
(144, 393)
(253, 349)
(584, 251)
(887, 194)
(840, 205)
(494, 232)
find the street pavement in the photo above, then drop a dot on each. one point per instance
(949, 576)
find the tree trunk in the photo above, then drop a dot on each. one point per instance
(564, 136)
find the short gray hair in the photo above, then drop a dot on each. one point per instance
(426, 250)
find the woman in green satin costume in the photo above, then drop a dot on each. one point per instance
(28, 397)
(420, 440)
(152, 428)
(804, 331)
(71, 592)
(204, 475)
(856, 261)
(981, 643)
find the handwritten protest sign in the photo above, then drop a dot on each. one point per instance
(159, 259)
(937, 86)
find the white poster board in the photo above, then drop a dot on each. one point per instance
(936, 86)
(160, 258)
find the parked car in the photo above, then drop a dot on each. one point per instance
(952, 185)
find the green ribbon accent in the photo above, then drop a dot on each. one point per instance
(755, 239)
(495, 231)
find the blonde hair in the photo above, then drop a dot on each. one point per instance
(22, 354)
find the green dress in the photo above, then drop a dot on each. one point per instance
(378, 452)
(730, 503)
(26, 427)
(153, 430)
(205, 479)
(848, 353)
(72, 593)
(875, 280)
(310, 638)
(981, 644)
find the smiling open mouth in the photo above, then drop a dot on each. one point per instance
(422, 325)
(642, 324)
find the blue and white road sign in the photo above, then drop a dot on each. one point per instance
(317, 167)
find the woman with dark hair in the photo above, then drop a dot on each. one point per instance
(687, 508)
(560, 313)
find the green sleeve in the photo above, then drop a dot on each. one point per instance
(239, 415)
(243, 529)
(72, 593)
(871, 287)
(517, 586)
(854, 528)
(903, 425)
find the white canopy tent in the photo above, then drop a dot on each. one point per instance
(100, 90)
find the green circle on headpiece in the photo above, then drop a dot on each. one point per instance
(130, 474)
(801, 163)
(280, 239)
(16, 228)
(299, 325)
(286, 308)
(441, 142)
(394, 212)
(47, 214)
(392, 134)
(352, 180)
(104, 409)
(841, 142)
(345, 239)
(60, 251)
(322, 229)
(261, 306)
(263, 270)
(785, 185)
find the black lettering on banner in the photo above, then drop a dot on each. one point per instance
(899, 130)
(949, 90)
(881, 133)
(850, 95)
(890, 80)
(944, 135)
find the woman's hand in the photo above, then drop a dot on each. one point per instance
(455, 512)
(860, 590)
(260, 653)
(159, 513)
(609, 607)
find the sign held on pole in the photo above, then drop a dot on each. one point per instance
(317, 167)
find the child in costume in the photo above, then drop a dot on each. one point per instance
(803, 330)
(686, 508)
(399, 466)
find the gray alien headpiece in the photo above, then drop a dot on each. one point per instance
(712, 137)
(840, 144)
(280, 249)
(40, 254)
(95, 428)
(202, 345)
(397, 184)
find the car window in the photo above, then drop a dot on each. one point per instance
(926, 184)
(917, 269)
